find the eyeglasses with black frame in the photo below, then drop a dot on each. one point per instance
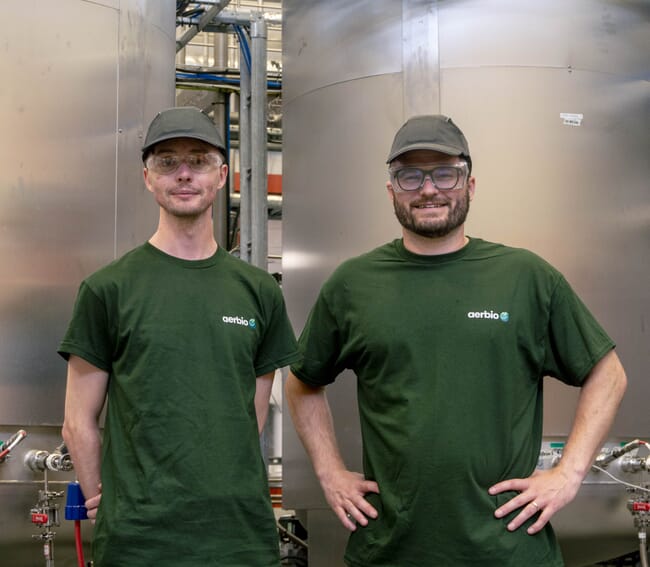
(444, 177)
(199, 162)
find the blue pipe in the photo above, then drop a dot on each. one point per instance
(243, 45)
(273, 85)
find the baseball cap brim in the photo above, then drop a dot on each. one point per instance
(182, 122)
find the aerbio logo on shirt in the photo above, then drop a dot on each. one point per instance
(504, 316)
(237, 320)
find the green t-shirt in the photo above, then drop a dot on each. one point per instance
(183, 479)
(449, 353)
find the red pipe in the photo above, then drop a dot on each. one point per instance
(79, 544)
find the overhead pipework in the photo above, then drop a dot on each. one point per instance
(204, 20)
(252, 129)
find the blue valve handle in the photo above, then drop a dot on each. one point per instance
(75, 508)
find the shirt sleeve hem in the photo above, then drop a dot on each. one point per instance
(308, 380)
(595, 360)
(66, 349)
(280, 363)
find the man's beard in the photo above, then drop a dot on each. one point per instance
(433, 228)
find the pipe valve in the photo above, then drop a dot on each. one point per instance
(11, 443)
(58, 460)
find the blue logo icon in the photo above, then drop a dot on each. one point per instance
(504, 316)
(252, 324)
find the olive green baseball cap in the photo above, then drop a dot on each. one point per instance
(182, 122)
(430, 132)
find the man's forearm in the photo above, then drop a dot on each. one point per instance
(312, 419)
(84, 399)
(263, 387)
(598, 403)
(85, 450)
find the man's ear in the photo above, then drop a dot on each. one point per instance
(391, 191)
(471, 186)
(223, 175)
(145, 175)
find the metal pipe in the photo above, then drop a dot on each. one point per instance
(605, 458)
(220, 51)
(294, 538)
(221, 202)
(231, 17)
(244, 157)
(259, 212)
(32, 482)
(204, 20)
(643, 548)
(15, 439)
(274, 201)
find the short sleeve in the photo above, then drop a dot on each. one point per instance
(88, 335)
(576, 341)
(321, 346)
(278, 346)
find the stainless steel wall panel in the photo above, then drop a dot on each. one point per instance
(339, 177)
(339, 41)
(79, 86)
(331, 539)
(146, 48)
(59, 159)
(588, 34)
(576, 194)
(420, 57)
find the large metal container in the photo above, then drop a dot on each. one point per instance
(554, 98)
(80, 82)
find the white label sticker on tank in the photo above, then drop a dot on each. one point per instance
(571, 119)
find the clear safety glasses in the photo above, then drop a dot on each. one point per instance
(198, 162)
(443, 177)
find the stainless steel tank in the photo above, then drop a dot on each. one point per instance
(80, 82)
(554, 98)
